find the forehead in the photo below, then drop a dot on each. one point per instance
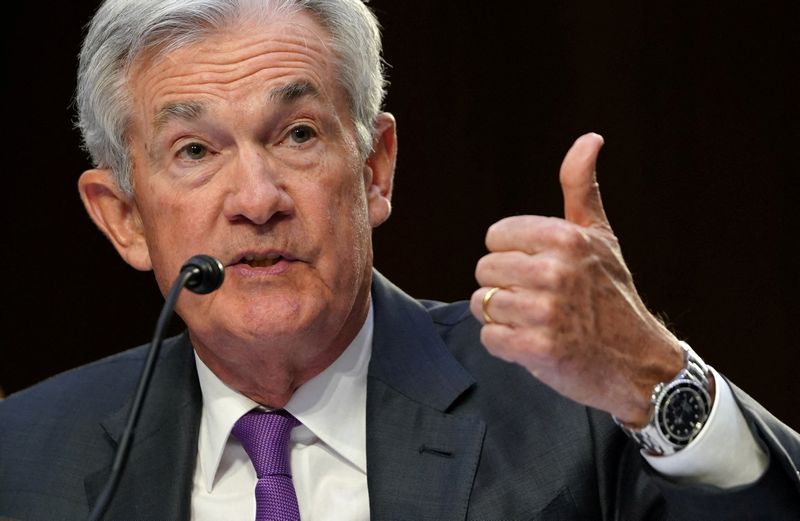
(229, 63)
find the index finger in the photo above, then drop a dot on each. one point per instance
(534, 234)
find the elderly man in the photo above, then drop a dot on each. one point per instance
(252, 131)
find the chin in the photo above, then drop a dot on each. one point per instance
(267, 319)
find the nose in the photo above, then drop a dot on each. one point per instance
(255, 192)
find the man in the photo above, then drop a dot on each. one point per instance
(252, 131)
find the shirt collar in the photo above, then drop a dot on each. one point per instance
(332, 405)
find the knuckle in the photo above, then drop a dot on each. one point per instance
(557, 273)
(572, 239)
(552, 347)
(549, 310)
(540, 346)
(544, 265)
(526, 308)
(553, 227)
(517, 344)
(532, 268)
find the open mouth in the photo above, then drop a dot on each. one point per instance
(262, 261)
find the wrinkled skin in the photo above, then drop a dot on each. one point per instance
(244, 149)
(567, 309)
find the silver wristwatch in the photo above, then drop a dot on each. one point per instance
(680, 409)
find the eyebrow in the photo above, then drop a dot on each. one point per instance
(187, 111)
(291, 92)
(193, 110)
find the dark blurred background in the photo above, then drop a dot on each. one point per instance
(698, 106)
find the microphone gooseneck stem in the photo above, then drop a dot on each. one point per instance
(141, 391)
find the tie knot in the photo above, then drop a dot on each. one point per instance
(265, 438)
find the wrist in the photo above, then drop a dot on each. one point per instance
(679, 408)
(664, 366)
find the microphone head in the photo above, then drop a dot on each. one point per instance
(208, 274)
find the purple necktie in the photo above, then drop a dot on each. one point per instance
(265, 437)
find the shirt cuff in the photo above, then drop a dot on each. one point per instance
(724, 454)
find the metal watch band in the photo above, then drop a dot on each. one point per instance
(680, 408)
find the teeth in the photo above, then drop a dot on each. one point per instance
(269, 259)
(264, 263)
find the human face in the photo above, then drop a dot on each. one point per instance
(244, 149)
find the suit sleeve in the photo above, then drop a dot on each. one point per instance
(632, 490)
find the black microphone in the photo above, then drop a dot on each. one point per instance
(201, 274)
(207, 274)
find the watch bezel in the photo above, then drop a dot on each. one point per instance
(685, 389)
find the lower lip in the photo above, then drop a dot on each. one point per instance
(245, 270)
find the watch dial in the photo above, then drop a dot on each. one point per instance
(683, 413)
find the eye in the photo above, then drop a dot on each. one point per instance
(193, 151)
(301, 133)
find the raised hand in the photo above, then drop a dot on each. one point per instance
(566, 308)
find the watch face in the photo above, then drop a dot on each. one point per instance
(682, 412)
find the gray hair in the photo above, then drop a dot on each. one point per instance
(122, 30)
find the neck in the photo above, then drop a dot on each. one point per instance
(270, 371)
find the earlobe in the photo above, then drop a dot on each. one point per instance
(379, 169)
(117, 216)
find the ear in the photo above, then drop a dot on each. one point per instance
(117, 216)
(379, 169)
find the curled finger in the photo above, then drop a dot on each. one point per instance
(532, 348)
(516, 269)
(517, 307)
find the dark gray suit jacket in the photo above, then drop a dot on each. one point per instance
(452, 434)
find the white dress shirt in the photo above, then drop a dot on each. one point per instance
(328, 451)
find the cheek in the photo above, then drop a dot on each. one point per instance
(348, 213)
(360, 247)
(347, 230)
(174, 227)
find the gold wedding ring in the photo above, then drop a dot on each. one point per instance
(487, 318)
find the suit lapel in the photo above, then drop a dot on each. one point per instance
(157, 480)
(421, 460)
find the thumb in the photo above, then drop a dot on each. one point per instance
(582, 203)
